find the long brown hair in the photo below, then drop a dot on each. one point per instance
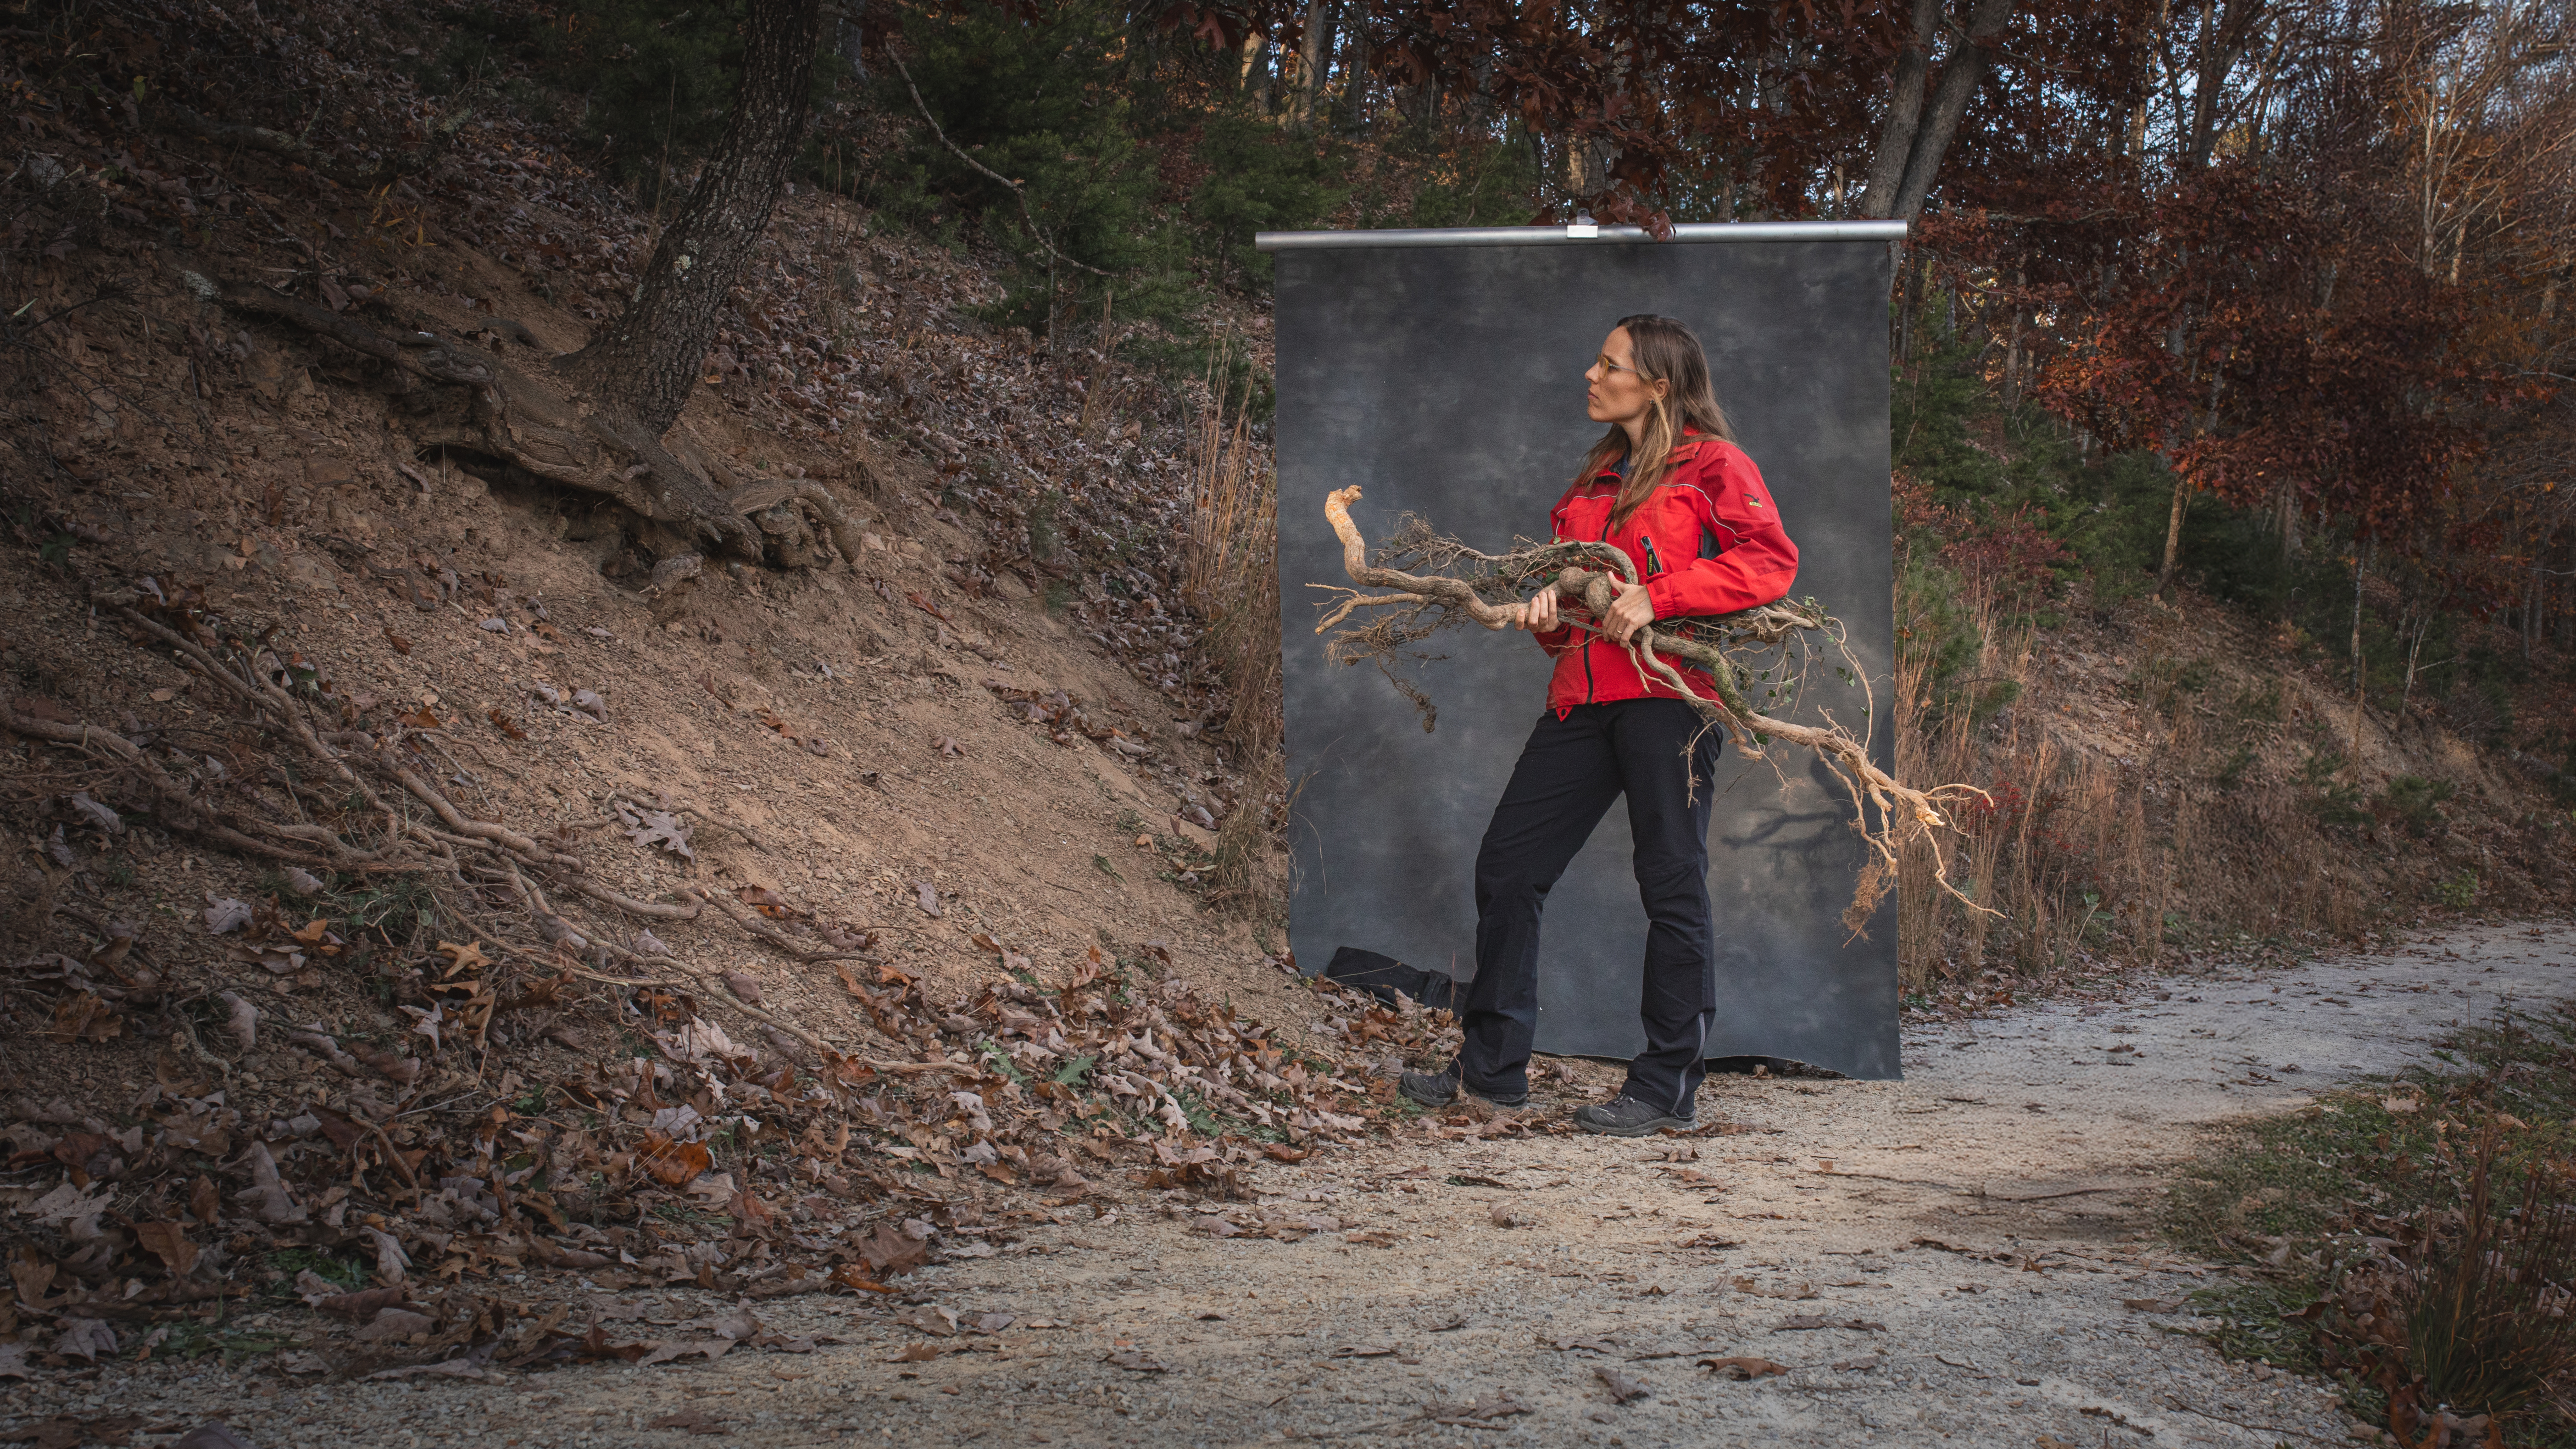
(1666, 351)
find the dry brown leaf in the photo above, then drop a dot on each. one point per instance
(891, 1251)
(673, 1163)
(1622, 1388)
(362, 1305)
(938, 1322)
(168, 1242)
(768, 902)
(695, 1420)
(85, 1017)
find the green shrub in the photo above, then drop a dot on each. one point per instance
(642, 79)
(1483, 183)
(1936, 632)
(2334, 801)
(1259, 179)
(2415, 802)
(1039, 101)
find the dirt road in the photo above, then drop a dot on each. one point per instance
(1950, 1257)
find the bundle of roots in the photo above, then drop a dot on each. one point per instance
(1769, 648)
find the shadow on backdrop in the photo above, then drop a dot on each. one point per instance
(1447, 381)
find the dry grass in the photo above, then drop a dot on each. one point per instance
(2488, 1326)
(2090, 854)
(1230, 576)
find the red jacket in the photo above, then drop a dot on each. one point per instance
(1707, 541)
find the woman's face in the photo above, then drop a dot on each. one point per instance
(1613, 392)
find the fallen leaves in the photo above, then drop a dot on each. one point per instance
(655, 829)
(63, 1431)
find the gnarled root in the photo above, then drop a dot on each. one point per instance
(1885, 811)
(536, 421)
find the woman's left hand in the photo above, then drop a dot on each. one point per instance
(1632, 612)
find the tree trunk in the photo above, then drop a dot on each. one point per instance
(1311, 55)
(646, 363)
(1256, 71)
(1904, 112)
(2173, 534)
(1960, 74)
(2224, 33)
(2014, 381)
(1355, 71)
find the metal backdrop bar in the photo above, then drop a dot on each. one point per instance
(1522, 236)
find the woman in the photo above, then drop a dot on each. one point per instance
(1668, 486)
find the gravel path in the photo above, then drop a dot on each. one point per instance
(1954, 1257)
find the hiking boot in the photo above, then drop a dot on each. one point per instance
(1625, 1116)
(1439, 1089)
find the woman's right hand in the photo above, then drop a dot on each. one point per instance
(1538, 616)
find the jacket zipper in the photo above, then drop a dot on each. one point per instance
(1589, 687)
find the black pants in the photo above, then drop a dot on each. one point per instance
(1656, 752)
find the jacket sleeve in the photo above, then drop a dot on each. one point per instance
(1563, 637)
(1755, 562)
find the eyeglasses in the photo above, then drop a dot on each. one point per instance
(1606, 365)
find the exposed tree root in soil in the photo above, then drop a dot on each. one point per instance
(539, 422)
(1886, 812)
(843, 1166)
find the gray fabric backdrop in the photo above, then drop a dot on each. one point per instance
(1447, 381)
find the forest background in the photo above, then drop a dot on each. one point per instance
(2229, 369)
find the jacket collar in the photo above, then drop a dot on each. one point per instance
(1683, 451)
